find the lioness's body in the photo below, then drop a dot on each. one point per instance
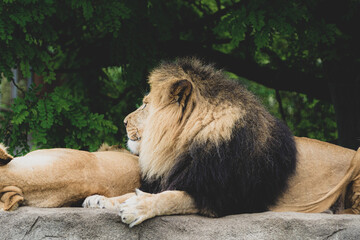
(62, 177)
(324, 174)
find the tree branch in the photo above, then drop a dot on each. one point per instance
(210, 18)
(281, 108)
(17, 86)
(218, 4)
(285, 78)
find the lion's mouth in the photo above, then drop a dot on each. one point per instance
(135, 139)
(135, 136)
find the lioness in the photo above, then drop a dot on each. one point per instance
(64, 177)
(207, 146)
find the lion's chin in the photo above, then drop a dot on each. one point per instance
(133, 146)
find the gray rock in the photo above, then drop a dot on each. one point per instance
(79, 223)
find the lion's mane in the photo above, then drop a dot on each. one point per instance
(207, 135)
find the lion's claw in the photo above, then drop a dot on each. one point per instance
(95, 201)
(136, 209)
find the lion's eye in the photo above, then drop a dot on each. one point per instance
(143, 106)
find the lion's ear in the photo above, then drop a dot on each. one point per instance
(181, 91)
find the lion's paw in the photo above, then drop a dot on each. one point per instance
(137, 209)
(95, 201)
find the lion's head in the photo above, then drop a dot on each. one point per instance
(195, 119)
(134, 124)
(182, 108)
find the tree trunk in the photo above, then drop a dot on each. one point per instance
(346, 99)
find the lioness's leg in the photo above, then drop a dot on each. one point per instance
(10, 198)
(353, 195)
(143, 206)
(99, 201)
(354, 198)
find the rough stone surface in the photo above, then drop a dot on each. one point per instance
(78, 223)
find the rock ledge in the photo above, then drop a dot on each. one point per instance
(78, 223)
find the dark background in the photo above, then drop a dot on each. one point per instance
(88, 63)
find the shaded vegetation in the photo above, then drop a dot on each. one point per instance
(93, 57)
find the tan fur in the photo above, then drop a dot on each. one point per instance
(325, 173)
(151, 205)
(61, 177)
(11, 198)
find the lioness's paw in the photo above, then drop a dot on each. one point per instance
(95, 201)
(137, 209)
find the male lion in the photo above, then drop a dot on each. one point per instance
(207, 146)
(63, 177)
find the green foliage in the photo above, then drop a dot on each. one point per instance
(35, 32)
(306, 117)
(310, 117)
(78, 105)
(94, 56)
(57, 119)
(265, 23)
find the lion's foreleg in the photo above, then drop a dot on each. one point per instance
(143, 206)
(99, 201)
